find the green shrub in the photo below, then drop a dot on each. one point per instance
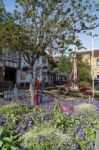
(44, 138)
(76, 94)
(85, 84)
(85, 108)
(13, 109)
(61, 90)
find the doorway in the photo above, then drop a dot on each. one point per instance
(10, 74)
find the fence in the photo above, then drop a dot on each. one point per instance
(13, 94)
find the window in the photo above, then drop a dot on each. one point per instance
(43, 73)
(97, 76)
(43, 61)
(97, 61)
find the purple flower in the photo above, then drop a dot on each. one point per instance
(75, 130)
(92, 143)
(20, 125)
(90, 148)
(68, 115)
(45, 110)
(16, 130)
(29, 125)
(74, 146)
(42, 138)
(56, 148)
(47, 117)
(80, 134)
(67, 124)
(23, 131)
(1, 119)
(82, 122)
(37, 117)
(27, 121)
(9, 120)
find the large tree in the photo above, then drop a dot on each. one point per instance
(38, 27)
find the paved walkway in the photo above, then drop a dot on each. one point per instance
(97, 139)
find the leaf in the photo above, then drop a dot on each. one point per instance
(72, 120)
(1, 143)
(81, 143)
(58, 121)
(1, 130)
(14, 148)
(7, 139)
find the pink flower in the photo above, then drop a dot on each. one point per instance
(64, 108)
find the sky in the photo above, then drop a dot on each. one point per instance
(86, 40)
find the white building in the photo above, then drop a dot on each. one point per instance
(15, 70)
(42, 69)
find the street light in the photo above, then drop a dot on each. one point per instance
(93, 65)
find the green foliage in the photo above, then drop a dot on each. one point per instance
(64, 65)
(13, 108)
(84, 83)
(10, 132)
(61, 90)
(47, 136)
(84, 74)
(86, 108)
(37, 27)
(11, 142)
(51, 128)
(76, 94)
(2, 12)
(84, 69)
(44, 138)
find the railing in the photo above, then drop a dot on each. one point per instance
(5, 85)
(1, 63)
(13, 94)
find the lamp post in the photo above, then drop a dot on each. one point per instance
(93, 65)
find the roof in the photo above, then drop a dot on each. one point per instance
(96, 52)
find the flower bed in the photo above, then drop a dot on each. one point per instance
(47, 127)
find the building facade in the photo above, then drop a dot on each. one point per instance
(93, 62)
(15, 71)
(9, 64)
(42, 69)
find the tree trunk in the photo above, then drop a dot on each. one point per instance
(32, 90)
(32, 85)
